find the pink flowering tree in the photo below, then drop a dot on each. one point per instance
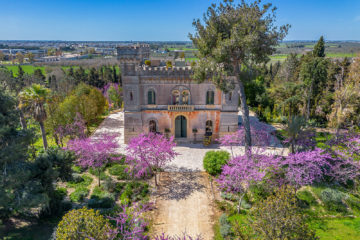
(130, 223)
(241, 172)
(306, 168)
(148, 153)
(345, 151)
(94, 152)
(261, 137)
(76, 129)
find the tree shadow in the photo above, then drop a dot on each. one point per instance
(179, 185)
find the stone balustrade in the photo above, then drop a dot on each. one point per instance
(181, 108)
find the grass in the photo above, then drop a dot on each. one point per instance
(337, 229)
(183, 49)
(191, 59)
(29, 69)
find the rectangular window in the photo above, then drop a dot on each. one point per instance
(210, 97)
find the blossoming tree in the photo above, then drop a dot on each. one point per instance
(94, 152)
(148, 153)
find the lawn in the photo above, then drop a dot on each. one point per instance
(191, 59)
(338, 229)
(29, 69)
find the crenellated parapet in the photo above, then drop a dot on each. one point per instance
(139, 52)
(164, 72)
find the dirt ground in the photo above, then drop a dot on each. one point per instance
(184, 204)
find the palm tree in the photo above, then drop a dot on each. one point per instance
(33, 99)
(294, 128)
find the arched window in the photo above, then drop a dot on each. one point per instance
(151, 97)
(175, 97)
(152, 126)
(209, 126)
(131, 96)
(210, 96)
(185, 97)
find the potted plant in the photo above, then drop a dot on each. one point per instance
(194, 132)
(167, 132)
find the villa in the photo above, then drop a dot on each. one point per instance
(169, 101)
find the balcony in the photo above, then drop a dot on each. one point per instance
(181, 108)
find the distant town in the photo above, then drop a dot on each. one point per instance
(28, 52)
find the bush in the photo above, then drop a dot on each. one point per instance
(79, 181)
(119, 171)
(279, 217)
(101, 199)
(214, 161)
(119, 187)
(79, 194)
(60, 193)
(225, 227)
(77, 169)
(306, 196)
(333, 200)
(61, 161)
(83, 224)
(259, 192)
(109, 185)
(134, 191)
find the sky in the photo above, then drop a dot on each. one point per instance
(161, 20)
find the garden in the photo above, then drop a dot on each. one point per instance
(312, 193)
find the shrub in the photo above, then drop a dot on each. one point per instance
(79, 181)
(225, 227)
(109, 185)
(334, 200)
(119, 171)
(79, 194)
(101, 199)
(60, 193)
(306, 196)
(214, 161)
(279, 217)
(134, 191)
(77, 169)
(61, 161)
(83, 224)
(148, 62)
(119, 187)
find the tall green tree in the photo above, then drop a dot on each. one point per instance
(233, 37)
(34, 98)
(14, 85)
(286, 88)
(319, 49)
(314, 75)
(13, 152)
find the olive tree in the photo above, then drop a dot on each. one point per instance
(231, 39)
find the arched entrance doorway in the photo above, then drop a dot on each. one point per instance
(152, 126)
(180, 127)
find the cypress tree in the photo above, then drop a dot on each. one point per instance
(319, 49)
